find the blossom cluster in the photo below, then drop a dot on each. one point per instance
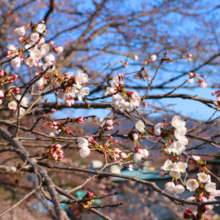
(34, 52)
(4, 79)
(175, 129)
(54, 153)
(205, 191)
(72, 86)
(122, 99)
(193, 76)
(86, 146)
(107, 125)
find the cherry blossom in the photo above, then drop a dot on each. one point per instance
(44, 49)
(40, 28)
(137, 157)
(202, 177)
(157, 129)
(34, 37)
(170, 186)
(210, 187)
(154, 57)
(84, 152)
(12, 105)
(16, 62)
(140, 126)
(192, 184)
(20, 31)
(83, 92)
(81, 78)
(179, 189)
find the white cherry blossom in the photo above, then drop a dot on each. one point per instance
(40, 28)
(179, 189)
(34, 37)
(30, 61)
(81, 77)
(36, 54)
(84, 152)
(12, 105)
(177, 122)
(154, 57)
(181, 166)
(20, 31)
(175, 173)
(82, 142)
(177, 147)
(135, 136)
(157, 129)
(180, 133)
(145, 153)
(210, 187)
(135, 102)
(49, 58)
(16, 62)
(202, 177)
(83, 92)
(44, 49)
(137, 157)
(168, 165)
(192, 184)
(170, 186)
(140, 126)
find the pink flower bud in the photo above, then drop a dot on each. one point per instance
(203, 76)
(67, 131)
(58, 146)
(1, 72)
(145, 104)
(109, 128)
(51, 43)
(58, 50)
(91, 140)
(16, 90)
(215, 92)
(134, 95)
(21, 39)
(80, 120)
(191, 74)
(109, 123)
(110, 138)
(115, 141)
(89, 195)
(202, 84)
